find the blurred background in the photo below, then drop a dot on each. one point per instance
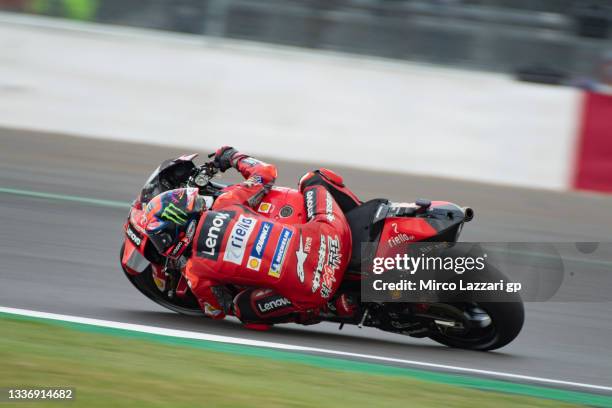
(552, 39)
(519, 88)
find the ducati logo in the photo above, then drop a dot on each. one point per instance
(311, 198)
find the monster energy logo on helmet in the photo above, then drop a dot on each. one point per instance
(174, 214)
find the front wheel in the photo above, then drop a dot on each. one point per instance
(506, 322)
(144, 282)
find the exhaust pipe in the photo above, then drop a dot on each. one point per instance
(468, 214)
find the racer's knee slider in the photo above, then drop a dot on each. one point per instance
(263, 306)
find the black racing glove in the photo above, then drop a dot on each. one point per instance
(223, 157)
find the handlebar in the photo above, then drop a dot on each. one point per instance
(203, 174)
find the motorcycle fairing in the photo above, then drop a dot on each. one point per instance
(133, 258)
(440, 222)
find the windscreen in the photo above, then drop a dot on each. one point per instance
(169, 175)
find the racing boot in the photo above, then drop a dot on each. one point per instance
(345, 305)
(219, 305)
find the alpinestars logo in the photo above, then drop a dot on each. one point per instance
(311, 199)
(237, 242)
(316, 280)
(301, 256)
(174, 214)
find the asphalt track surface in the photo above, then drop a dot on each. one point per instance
(62, 257)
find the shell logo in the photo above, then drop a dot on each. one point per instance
(254, 263)
(264, 208)
(160, 283)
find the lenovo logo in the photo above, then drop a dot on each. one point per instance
(212, 233)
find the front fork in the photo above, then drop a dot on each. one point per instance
(169, 278)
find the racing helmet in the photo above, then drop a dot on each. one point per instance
(170, 219)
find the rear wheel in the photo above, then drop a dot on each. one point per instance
(488, 321)
(506, 322)
(144, 282)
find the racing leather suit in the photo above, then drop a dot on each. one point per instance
(295, 268)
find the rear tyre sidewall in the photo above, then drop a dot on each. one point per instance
(507, 315)
(507, 319)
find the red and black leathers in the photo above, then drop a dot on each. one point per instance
(294, 268)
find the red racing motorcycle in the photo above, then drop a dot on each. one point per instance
(475, 325)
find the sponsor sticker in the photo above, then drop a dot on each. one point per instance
(190, 230)
(279, 253)
(327, 281)
(286, 211)
(308, 245)
(316, 279)
(270, 305)
(253, 180)
(212, 233)
(399, 239)
(329, 207)
(177, 248)
(264, 208)
(159, 277)
(250, 161)
(186, 240)
(311, 199)
(133, 236)
(174, 214)
(237, 242)
(210, 310)
(333, 254)
(333, 263)
(259, 246)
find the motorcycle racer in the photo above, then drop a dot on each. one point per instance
(283, 272)
(287, 260)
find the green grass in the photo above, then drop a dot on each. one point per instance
(108, 371)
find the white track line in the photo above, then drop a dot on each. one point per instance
(281, 346)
